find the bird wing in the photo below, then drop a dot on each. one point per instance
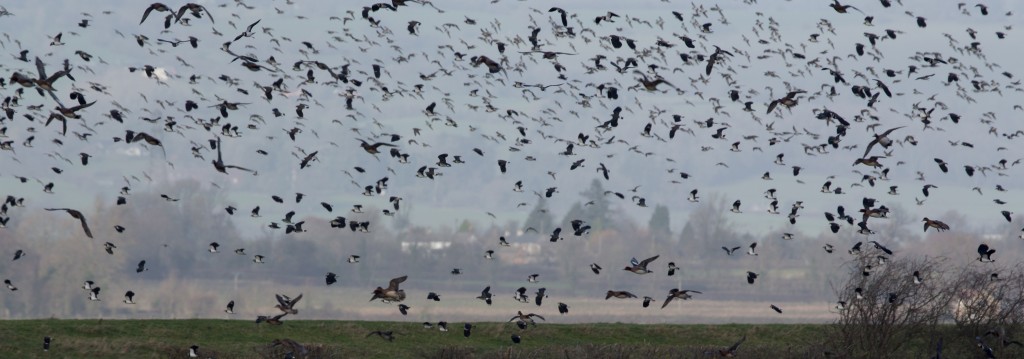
(85, 226)
(737, 345)
(870, 144)
(281, 300)
(146, 14)
(648, 260)
(393, 284)
(181, 11)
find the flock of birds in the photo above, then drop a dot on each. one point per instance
(648, 82)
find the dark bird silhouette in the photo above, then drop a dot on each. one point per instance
(485, 295)
(985, 253)
(74, 213)
(731, 351)
(195, 9)
(619, 294)
(676, 293)
(219, 165)
(563, 15)
(159, 7)
(374, 148)
(383, 334)
(840, 8)
(880, 139)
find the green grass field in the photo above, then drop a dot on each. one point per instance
(348, 339)
(345, 339)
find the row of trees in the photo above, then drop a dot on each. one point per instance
(172, 237)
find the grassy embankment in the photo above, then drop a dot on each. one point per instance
(348, 339)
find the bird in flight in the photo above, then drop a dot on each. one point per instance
(76, 214)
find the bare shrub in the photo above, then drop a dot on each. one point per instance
(287, 349)
(985, 303)
(885, 309)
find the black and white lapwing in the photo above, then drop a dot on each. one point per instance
(485, 295)
(109, 247)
